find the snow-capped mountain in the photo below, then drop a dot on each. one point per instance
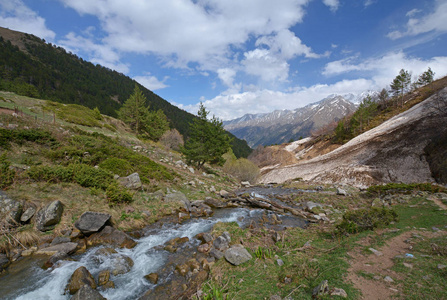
(357, 99)
(281, 126)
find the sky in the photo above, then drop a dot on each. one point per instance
(245, 56)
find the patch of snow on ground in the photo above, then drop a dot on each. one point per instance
(296, 144)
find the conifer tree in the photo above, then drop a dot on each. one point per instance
(134, 110)
(208, 140)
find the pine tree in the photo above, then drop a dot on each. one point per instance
(426, 77)
(208, 140)
(401, 84)
(134, 110)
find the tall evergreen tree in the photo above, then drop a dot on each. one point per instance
(208, 140)
(426, 77)
(401, 84)
(134, 110)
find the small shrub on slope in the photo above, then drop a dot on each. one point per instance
(366, 219)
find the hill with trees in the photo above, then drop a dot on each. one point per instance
(31, 67)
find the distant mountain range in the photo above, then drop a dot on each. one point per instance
(282, 126)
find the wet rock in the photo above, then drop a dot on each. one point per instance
(49, 216)
(111, 236)
(237, 255)
(204, 237)
(170, 248)
(339, 292)
(67, 248)
(85, 292)
(4, 262)
(54, 259)
(28, 214)
(131, 182)
(203, 248)
(60, 240)
(152, 278)
(103, 277)
(79, 278)
(121, 264)
(91, 222)
(182, 269)
(182, 217)
(193, 265)
(321, 289)
(10, 210)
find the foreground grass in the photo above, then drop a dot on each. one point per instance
(327, 257)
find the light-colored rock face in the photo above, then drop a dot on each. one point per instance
(391, 152)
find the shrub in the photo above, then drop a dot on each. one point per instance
(117, 194)
(50, 173)
(392, 188)
(5, 138)
(242, 169)
(6, 174)
(366, 219)
(117, 166)
(88, 176)
(172, 139)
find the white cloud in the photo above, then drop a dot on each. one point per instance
(15, 15)
(202, 31)
(98, 53)
(151, 82)
(383, 69)
(332, 4)
(434, 21)
(369, 2)
(261, 62)
(226, 75)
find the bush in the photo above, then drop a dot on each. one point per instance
(50, 173)
(242, 169)
(117, 166)
(392, 188)
(88, 176)
(172, 139)
(366, 219)
(6, 174)
(117, 194)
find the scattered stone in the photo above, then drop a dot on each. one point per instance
(310, 205)
(49, 216)
(280, 262)
(131, 182)
(276, 237)
(441, 267)
(111, 236)
(204, 237)
(54, 259)
(410, 266)
(10, 210)
(435, 229)
(152, 278)
(191, 169)
(60, 240)
(203, 248)
(216, 253)
(66, 248)
(339, 292)
(214, 203)
(213, 189)
(220, 243)
(182, 269)
(27, 252)
(227, 236)
(178, 197)
(237, 255)
(224, 194)
(321, 289)
(394, 290)
(79, 278)
(377, 277)
(103, 277)
(275, 297)
(376, 252)
(246, 184)
(341, 192)
(388, 279)
(28, 214)
(86, 292)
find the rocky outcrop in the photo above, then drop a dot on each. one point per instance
(178, 197)
(49, 216)
(91, 222)
(111, 236)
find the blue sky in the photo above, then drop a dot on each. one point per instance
(249, 56)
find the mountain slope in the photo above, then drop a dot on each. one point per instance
(31, 67)
(282, 126)
(394, 151)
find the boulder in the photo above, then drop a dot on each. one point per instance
(220, 243)
(224, 194)
(60, 240)
(339, 292)
(152, 278)
(87, 293)
(49, 216)
(204, 237)
(10, 210)
(78, 279)
(214, 203)
(111, 236)
(67, 248)
(341, 192)
(28, 214)
(246, 184)
(321, 289)
(91, 222)
(103, 277)
(178, 197)
(131, 182)
(237, 255)
(54, 259)
(216, 253)
(121, 264)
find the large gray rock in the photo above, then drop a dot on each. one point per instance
(132, 181)
(91, 222)
(10, 210)
(49, 216)
(111, 236)
(87, 293)
(215, 203)
(28, 214)
(237, 255)
(67, 248)
(178, 197)
(220, 243)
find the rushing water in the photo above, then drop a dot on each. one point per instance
(35, 283)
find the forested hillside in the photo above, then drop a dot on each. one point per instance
(31, 67)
